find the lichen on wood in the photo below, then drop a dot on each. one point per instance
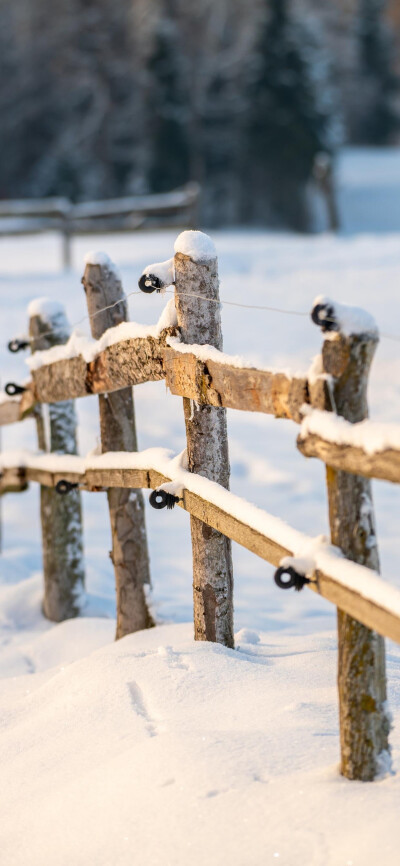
(61, 516)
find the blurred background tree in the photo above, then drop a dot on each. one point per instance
(377, 119)
(290, 118)
(103, 98)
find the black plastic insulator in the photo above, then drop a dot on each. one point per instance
(162, 499)
(63, 487)
(12, 389)
(323, 315)
(17, 345)
(150, 283)
(293, 578)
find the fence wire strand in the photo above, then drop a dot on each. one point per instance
(220, 301)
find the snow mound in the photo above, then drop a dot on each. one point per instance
(184, 752)
(197, 245)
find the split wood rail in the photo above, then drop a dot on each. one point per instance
(185, 350)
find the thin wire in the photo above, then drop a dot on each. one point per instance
(201, 298)
(85, 318)
(235, 304)
(170, 292)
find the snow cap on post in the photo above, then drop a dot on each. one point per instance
(103, 261)
(334, 318)
(49, 315)
(196, 245)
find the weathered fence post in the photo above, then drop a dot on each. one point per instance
(364, 724)
(129, 554)
(61, 516)
(196, 273)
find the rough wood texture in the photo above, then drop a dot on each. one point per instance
(61, 517)
(207, 449)
(13, 480)
(19, 408)
(132, 362)
(218, 384)
(364, 724)
(118, 433)
(127, 363)
(9, 412)
(348, 458)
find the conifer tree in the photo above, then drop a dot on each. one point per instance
(167, 107)
(289, 122)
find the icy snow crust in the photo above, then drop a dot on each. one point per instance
(88, 349)
(371, 436)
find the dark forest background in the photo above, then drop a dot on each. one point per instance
(102, 98)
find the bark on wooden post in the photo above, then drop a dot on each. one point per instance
(61, 516)
(196, 272)
(364, 724)
(118, 433)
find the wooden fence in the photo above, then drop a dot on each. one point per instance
(34, 216)
(185, 350)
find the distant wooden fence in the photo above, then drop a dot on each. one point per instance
(186, 353)
(164, 210)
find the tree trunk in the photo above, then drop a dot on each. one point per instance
(207, 448)
(364, 724)
(118, 433)
(61, 516)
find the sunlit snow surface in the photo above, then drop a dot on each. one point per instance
(180, 752)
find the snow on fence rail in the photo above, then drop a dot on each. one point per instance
(185, 349)
(351, 587)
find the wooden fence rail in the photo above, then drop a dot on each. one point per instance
(377, 606)
(214, 382)
(178, 351)
(33, 216)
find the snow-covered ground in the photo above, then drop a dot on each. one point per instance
(157, 750)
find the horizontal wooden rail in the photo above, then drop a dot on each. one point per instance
(333, 577)
(214, 381)
(219, 383)
(365, 448)
(384, 465)
(10, 411)
(124, 364)
(147, 205)
(35, 207)
(76, 214)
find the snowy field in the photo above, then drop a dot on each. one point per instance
(156, 750)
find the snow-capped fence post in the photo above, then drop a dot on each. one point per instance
(129, 553)
(196, 273)
(61, 516)
(364, 724)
